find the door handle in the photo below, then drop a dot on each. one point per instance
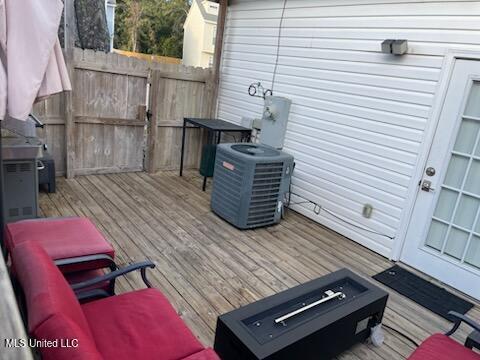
(430, 171)
(40, 165)
(426, 185)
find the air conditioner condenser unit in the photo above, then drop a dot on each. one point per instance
(250, 184)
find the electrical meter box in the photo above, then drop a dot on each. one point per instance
(274, 121)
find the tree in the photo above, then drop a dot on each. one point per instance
(128, 20)
(92, 25)
(151, 26)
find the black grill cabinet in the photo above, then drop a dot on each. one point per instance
(20, 186)
(46, 172)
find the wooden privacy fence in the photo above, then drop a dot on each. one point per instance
(107, 129)
(51, 112)
(174, 95)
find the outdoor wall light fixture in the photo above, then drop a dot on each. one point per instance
(394, 46)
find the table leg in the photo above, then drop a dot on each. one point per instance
(246, 136)
(473, 340)
(183, 146)
(204, 186)
(210, 140)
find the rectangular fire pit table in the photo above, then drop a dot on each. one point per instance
(316, 320)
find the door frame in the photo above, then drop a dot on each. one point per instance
(451, 56)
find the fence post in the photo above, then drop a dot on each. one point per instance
(222, 15)
(210, 92)
(142, 115)
(69, 44)
(156, 91)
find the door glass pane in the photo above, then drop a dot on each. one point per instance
(466, 212)
(446, 204)
(473, 104)
(456, 171)
(473, 179)
(456, 242)
(455, 230)
(467, 136)
(436, 235)
(473, 253)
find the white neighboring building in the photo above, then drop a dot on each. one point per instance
(110, 6)
(199, 34)
(366, 128)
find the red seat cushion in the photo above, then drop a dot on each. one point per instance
(207, 354)
(139, 325)
(441, 347)
(46, 291)
(62, 238)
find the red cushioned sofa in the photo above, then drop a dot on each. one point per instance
(442, 347)
(136, 325)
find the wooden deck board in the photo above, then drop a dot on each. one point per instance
(207, 267)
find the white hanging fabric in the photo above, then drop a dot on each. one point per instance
(3, 73)
(34, 66)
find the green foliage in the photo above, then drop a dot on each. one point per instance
(151, 26)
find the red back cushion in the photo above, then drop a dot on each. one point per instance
(72, 343)
(47, 293)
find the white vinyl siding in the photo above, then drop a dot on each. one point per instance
(358, 116)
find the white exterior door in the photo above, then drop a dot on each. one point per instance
(443, 238)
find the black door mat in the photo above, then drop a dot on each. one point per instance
(423, 292)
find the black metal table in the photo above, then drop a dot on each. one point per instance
(215, 127)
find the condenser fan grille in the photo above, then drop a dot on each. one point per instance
(255, 150)
(265, 189)
(229, 184)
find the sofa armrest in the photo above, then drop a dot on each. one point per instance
(92, 295)
(101, 260)
(142, 266)
(110, 263)
(458, 319)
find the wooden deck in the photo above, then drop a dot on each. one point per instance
(206, 267)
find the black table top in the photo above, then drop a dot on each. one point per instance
(216, 124)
